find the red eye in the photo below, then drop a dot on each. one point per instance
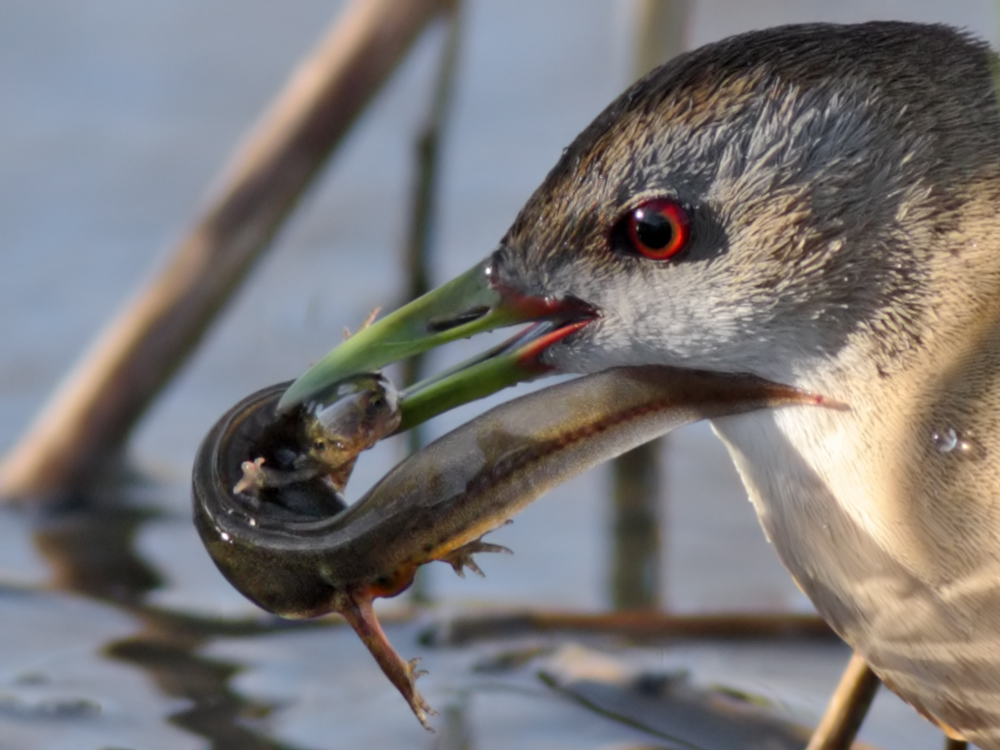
(658, 229)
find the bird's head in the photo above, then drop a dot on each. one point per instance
(760, 205)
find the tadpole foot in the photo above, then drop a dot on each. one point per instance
(253, 476)
(418, 705)
(461, 557)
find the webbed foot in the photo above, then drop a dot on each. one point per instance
(461, 557)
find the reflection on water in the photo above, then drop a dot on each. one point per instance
(260, 683)
(216, 713)
(92, 552)
(635, 581)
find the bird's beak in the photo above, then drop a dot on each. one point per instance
(472, 303)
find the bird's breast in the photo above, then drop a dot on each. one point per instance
(855, 508)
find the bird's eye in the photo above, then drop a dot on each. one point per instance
(658, 229)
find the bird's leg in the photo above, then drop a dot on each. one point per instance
(952, 744)
(356, 607)
(847, 707)
(461, 557)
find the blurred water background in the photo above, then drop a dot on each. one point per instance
(114, 117)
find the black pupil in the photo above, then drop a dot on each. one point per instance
(653, 229)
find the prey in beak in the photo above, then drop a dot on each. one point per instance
(474, 302)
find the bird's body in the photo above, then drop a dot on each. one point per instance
(826, 214)
(847, 181)
(897, 547)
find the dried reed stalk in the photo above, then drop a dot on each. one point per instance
(92, 413)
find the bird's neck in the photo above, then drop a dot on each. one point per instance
(860, 505)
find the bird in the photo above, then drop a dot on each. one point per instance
(817, 205)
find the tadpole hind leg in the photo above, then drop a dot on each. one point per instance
(461, 557)
(356, 608)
